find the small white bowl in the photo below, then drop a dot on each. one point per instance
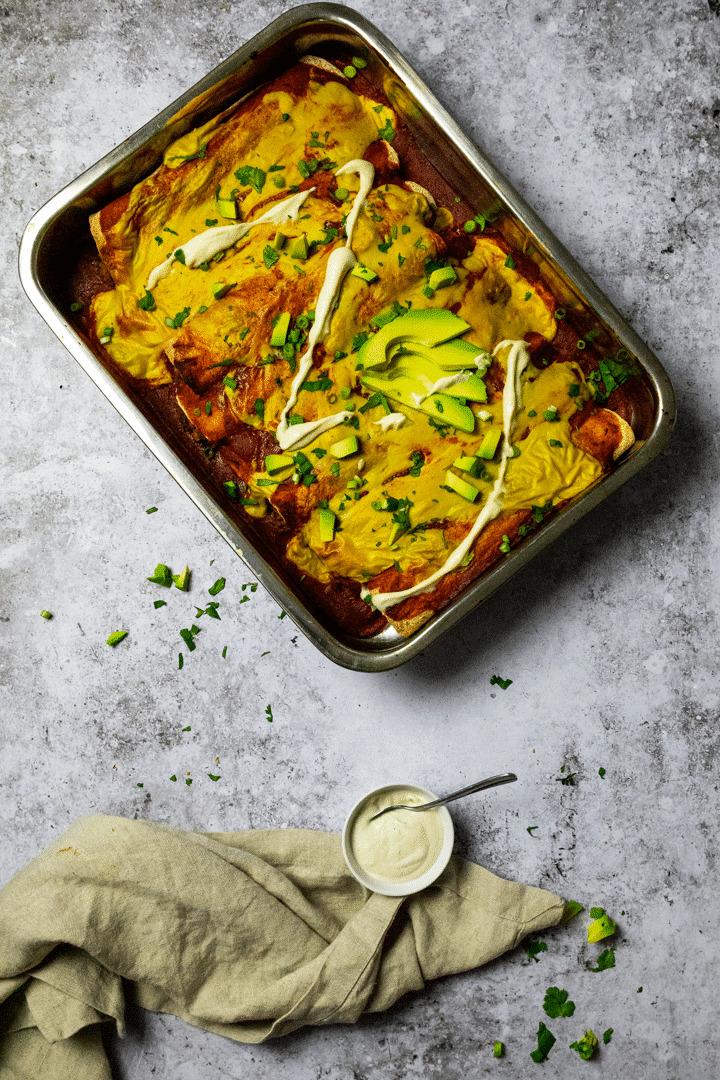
(399, 888)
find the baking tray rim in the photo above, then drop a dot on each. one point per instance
(326, 16)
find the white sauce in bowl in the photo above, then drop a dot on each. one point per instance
(401, 845)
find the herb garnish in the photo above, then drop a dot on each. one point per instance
(251, 176)
(556, 1003)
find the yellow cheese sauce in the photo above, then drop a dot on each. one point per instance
(217, 315)
(399, 846)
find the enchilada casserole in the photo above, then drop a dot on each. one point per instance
(388, 396)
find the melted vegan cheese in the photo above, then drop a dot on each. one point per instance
(196, 299)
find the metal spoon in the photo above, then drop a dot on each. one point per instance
(492, 781)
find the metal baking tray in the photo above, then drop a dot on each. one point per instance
(54, 232)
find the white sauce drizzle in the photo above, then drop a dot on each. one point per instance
(391, 422)
(442, 384)
(339, 262)
(517, 361)
(209, 243)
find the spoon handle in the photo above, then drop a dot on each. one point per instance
(491, 781)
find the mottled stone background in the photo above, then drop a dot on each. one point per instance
(606, 118)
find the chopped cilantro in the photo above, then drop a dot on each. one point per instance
(159, 603)
(176, 322)
(387, 131)
(502, 683)
(151, 510)
(259, 408)
(224, 652)
(533, 948)
(198, 155)
(318, 384)
(568, 780)
(270, 256)
(268, 709)
(358, 340)
(607, 1035)
(217, 587)
(251, 176)
(601, 773)
(174, 777)
(573, 389)
(531, 829)
(554, 442)
(208, 408)
(213, 777)
(146, 302)
(546, 1040)
(556, 1003)
(211, 221)
(571, 910)
(188, 781)
(510, 263)
(230, 382)
(606, 960)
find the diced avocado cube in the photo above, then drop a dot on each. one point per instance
(162, 576)
(280, 240)
(280, 330)
(298, 247)
(461, 487)
(471, 465)
(364, 273)
(440, 279)
(182, 580)
(227, 208)
(345, 447)
(327, 525)
(275, 463)
(488, 447)
(220, 289)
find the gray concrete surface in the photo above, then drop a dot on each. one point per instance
(606, 117)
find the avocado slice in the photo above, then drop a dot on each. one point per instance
(461, 487)
(429, 327)
(406, 387)
(364, 273)
(455, 355)
(473, 466)
(299, 247)
(280, 240)
(345, 447)
(473, 389)
(280, 330)
(227, 208)
(488, 446)
(327, 525)
(275, 463)
(441, 278)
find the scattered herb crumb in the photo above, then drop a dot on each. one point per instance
(531, 829)
(533, 948)
(159, 603)
(568, 780)
(162, 576)
(180, 661)
(173, 778)
(224, 652)
(601, 773)
(217, 587)
(213, 777)
(116, 637)
(46, 614)
(187, 729)
(639, 989)
(556, 1003)
(572, 909)
(606, 960)
(268, 714)
(151, 510)
(546, 1040)
(502, 683)
(265, 653)
(141, 785)
(282, 615)
(498, 1049)
(188, 780)
(607, 1035)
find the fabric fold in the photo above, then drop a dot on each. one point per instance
(251, 935)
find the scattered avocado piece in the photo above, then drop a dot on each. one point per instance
(488, 446)
(227, 208)
(427, 327)
(345, 447)
(461, 487)
(116, 637)
(220, 289)
(299, 247)
(275, 463)
(162, 576)
(182, 580)
(441, 278)
(280, 240)
(601, 927)
(364, 273)
(453, 355)
(46, 614)
(473, 466)
(498, 1049)
(327, 525)
(280, 330)
(472, 389)
(586, 1046)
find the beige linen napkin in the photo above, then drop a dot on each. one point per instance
(250, 935)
